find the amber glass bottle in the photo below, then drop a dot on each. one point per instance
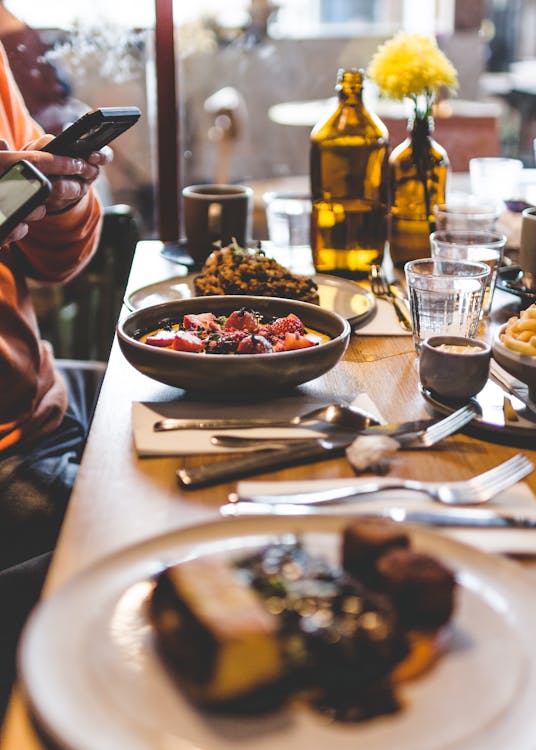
(418, 170)
(348, 161)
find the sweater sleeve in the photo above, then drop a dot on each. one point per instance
(59, 246)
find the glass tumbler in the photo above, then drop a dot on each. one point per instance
(483, 246)
(495, 178)
(445, 297)
(470, 215)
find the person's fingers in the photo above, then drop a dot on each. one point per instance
(16, 234)
(64, 190)
(101, 158)
(37, 213)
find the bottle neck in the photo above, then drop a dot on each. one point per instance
(420, 128)
(349, 86)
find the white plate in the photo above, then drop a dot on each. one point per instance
(92, 675)
(340, 295)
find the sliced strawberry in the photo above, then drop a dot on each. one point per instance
(162, 338)
(242, 320)
(205, 321)
(290, 324)
(254, 345)
(185, 341)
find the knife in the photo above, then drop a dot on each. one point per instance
(459, 517)
(233, 468)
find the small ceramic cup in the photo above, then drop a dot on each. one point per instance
(455, 368)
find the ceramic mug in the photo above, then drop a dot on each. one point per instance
(527, 245)
(216, 214)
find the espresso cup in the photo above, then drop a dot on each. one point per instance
(527, 244)
(216, 214)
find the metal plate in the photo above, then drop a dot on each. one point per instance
(490, 422)
(506, 279)
(339, 295)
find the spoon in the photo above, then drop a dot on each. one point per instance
(336, 414)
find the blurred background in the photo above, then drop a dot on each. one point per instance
(236, 61)
(251, 79)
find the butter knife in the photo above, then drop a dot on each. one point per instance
(459, 517)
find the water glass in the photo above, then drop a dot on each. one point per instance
(467, 213)
(483, 246)
(495, 178)
(445, 297)
(288, 216)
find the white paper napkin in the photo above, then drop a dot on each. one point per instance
(191, 442)
(518, 498)
(383, 323)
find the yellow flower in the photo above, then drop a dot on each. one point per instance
(410, 65)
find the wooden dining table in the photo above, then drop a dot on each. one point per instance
(120, 498)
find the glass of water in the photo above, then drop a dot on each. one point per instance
(483, 246)
(288, 216)
(445, 297)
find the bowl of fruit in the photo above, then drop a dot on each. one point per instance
(233, 343)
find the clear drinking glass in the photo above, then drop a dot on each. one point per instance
(495, 178)
(468, 213)
(288, 216)
(483, 246)
(445, 297)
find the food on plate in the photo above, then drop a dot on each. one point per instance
(244, 331)
(204, 601)
(284, 623)
(238, 270)
(520, 332)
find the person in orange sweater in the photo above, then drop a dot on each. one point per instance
(43, 421)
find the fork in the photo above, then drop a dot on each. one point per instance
(314, 448)
(475, 491)
(382, 289)
(424, 438)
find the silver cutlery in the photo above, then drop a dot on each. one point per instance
(337, 414)
(475, 491)
(448, 517)
(416, 434)
(304, 450)
(381, 288)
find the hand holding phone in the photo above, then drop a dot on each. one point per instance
(22, 189)
(93, 131)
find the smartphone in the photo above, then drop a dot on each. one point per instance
(22, 188)
(93, 130)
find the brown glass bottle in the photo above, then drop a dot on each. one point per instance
(348, 162)
(418, 170)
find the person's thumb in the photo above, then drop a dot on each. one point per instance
(4, 145)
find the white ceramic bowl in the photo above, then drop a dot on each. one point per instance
(521, 366)
(227, 373)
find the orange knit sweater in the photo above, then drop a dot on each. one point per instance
(32, 395)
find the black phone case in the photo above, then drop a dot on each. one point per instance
(93, 131)
(28, 205)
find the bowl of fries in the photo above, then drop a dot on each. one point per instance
(514, 348)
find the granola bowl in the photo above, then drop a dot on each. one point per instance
(233, 373)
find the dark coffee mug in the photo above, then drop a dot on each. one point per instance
(216, 214)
